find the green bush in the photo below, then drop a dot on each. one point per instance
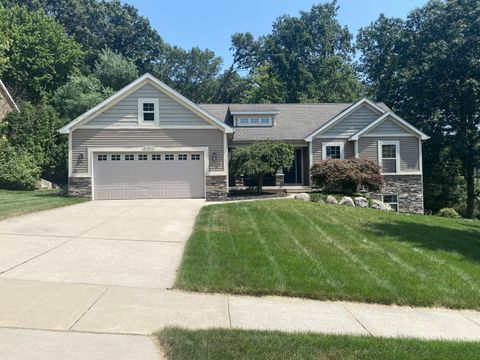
(18, 170)
(448, 213)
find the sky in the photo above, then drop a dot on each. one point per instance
(210, 23)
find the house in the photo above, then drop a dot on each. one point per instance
(6, 102)
(148, 141)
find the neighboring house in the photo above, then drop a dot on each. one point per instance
(148, 141)
(6, 102)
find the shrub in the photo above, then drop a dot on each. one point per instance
(347, 175)
(261, 158)
(448, 213)
(18, 170)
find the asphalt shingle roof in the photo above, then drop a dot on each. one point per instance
(293, 121)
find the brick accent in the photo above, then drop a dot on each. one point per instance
(409, 189)
(279, 179)
(217, 187)
(80, 186)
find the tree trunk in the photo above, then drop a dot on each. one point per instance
(470, 179)
(259, 184)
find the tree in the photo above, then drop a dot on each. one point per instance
(40, 57)
(261, 158)
(80, 94)
(103, 24)
(193, 73)
(114, 71)
(35, 130)
(308, 57)
(426, 68)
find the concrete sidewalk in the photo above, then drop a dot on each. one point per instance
(141, 311)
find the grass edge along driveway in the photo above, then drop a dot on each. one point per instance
(14, 203)
(218, 344)
(331, 252)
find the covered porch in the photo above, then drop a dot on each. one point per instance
(295, 179)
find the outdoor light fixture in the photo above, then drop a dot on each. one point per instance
(214, 156)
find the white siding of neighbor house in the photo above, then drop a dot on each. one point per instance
(409, 151)
(125, 112)
(388, 127)
(352, 123)
(317, 144)
(82, 139)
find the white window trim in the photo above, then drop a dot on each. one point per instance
(155, 102)
(390, 194)
(336, 143)
(259, 124)
(397, 154)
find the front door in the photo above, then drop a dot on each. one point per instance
(294, 175)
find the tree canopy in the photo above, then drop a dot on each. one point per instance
(427, 69)
(38, 56)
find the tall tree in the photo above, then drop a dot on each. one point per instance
(40, 57)
(103, 24)
(193, 73)
(310, 57)
(114, 71)
(427, 69)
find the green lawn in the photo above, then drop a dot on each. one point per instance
(14, 203)
(248, 345)
(292, 248)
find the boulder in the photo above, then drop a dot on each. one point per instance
(44, 185)
(347, 201)
(303, 196)
(361, 202)
(380, 205)
(331, 200)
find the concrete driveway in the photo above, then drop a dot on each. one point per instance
(55, 265)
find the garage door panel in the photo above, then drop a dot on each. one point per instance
(143, 179)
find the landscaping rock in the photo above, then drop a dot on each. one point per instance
(361, 202)
(331, 200)
(303, 196)
(347, 201)
(380, 205)
(44, 185)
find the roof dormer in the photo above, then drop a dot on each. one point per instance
(254, 115)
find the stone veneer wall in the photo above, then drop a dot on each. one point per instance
(80, 186)
(217, 187)
(409, 189)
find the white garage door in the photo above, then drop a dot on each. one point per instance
(148, 175)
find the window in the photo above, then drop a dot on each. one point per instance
(195, 157)
(332, 150)
(115, 157)
(182, 157)
(169, 157)
(102, 157)
(391, 200)
(143, 157)
(129, 157)
(254, 121)
(156, 157)
(389, 156)
(147, 111)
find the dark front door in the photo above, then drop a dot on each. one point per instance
(294, 175)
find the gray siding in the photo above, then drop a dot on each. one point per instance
(125, 112)
(349, 148)
(82, 139)
(409, 151)
(352, 123)
(388, 127)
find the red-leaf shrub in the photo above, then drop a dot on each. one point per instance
(347, 175)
